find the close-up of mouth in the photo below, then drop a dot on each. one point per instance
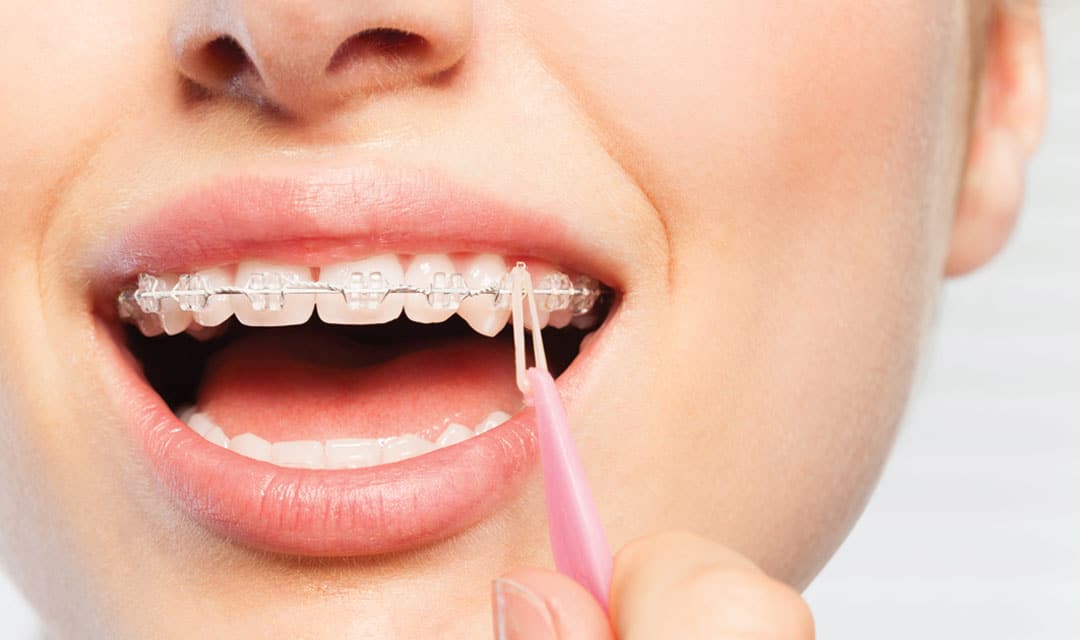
(347, 395)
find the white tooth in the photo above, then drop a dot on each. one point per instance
(538, 271)
(185, 413)
(219, 308)
(353, 453)
(480, 312)
(561, 318)
(251, 446)
(587, 321)
(421, 271)
(218, 437)
(335, 310)
(541, 315)
(174, 320)
(205, 334)
(494, 419)
(296, 309)
(307, 454)
(454, 434)
(150, 324)
(403, 447)
(201, 423)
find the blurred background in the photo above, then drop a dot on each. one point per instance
(974, 531)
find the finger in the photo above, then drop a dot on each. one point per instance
(679, 585)
(534, 604)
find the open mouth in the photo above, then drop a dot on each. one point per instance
(350, 365)
(329, 375)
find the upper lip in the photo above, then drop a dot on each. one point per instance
(310, 218)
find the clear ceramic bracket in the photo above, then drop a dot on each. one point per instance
(270, 291)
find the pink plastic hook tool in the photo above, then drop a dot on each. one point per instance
(578, 541)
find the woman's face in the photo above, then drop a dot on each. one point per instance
(766, 187)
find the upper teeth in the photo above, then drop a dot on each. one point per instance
(358, 292)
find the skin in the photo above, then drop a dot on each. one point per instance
(824, 165)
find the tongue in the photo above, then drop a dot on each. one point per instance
(309, 384)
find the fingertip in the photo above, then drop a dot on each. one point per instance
(570, 609)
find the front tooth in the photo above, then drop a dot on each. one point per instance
(218, 437)
(481, 312)
(218, 308)
(494, 419)
(251, 446)
(267, 307)
(454, 434)
(403, 447)
(174, 320)
(422, 270)
(353, 453)
(306, 454)
(336, 309)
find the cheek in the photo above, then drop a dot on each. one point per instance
(776, 137)
(75, 83)
(82, 80)
(803, 158)
(732, 102)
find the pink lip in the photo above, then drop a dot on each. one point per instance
(329, 215)
(311, 220)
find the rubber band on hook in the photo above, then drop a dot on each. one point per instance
(521, 291)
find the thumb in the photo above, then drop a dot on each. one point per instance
(678, 585)
(535, 604)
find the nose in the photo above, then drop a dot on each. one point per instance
(304, 56)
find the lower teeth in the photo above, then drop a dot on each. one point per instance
(344, 453)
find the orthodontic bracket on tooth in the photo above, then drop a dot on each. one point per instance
(269, 291)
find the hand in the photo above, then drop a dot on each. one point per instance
(670, 586)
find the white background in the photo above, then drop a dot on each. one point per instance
(975, 529)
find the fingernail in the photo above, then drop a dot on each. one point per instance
(520, 614)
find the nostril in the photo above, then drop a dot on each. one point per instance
(383, 44)
(222, 61)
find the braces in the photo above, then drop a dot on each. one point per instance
(267, 291)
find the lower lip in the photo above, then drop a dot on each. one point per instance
(367, 511)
